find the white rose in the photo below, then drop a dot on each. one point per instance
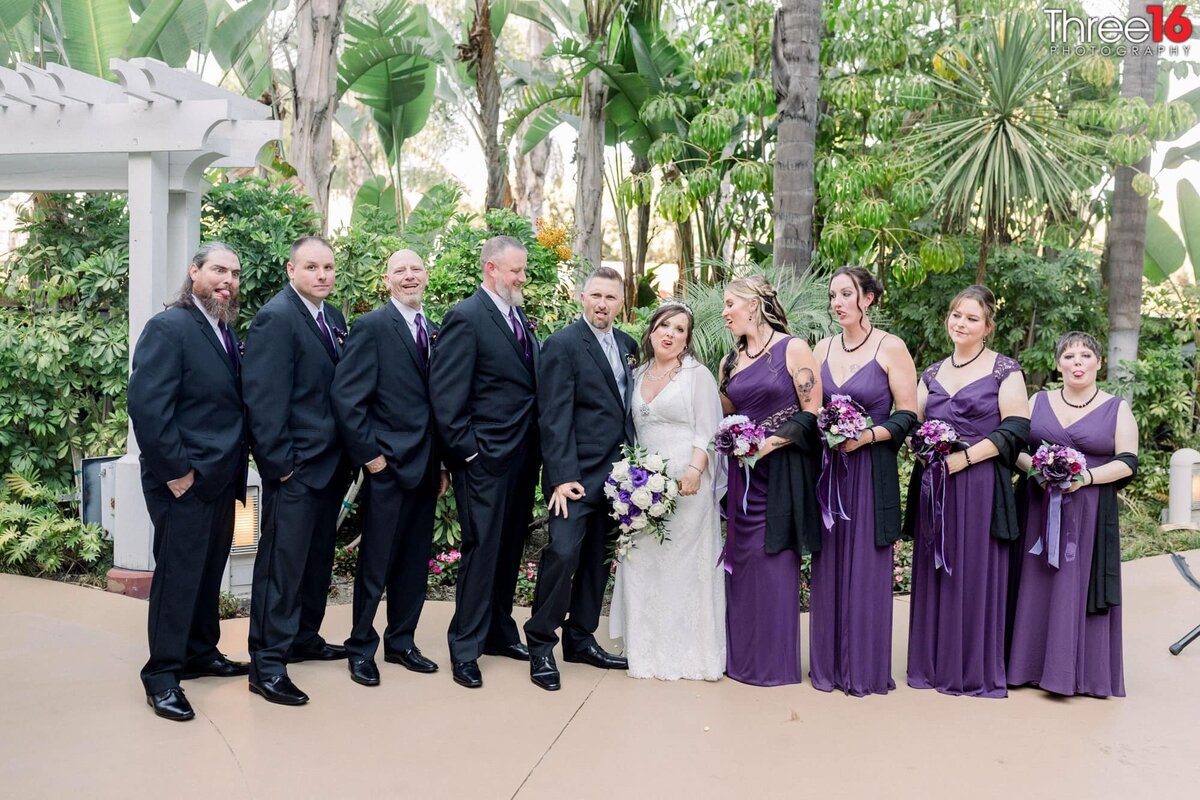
(656, 482)
(742, 448)
(621, 508)
(658, 510)
(610, 491)
(833, 428)
(672, 488)
(654, 463)
(639, 522)
(620, 470)
(642, 498)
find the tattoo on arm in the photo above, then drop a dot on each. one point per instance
(805, 381)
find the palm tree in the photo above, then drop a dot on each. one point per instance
(796, 64)
(997, 144)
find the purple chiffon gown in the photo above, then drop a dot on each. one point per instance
(1056, 644)
(762, 611)
(850, 610)
(956, 627)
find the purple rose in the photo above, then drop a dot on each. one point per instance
(657, 497)
(638, 476)
(725, 440)
(626, 519)
(624, 496)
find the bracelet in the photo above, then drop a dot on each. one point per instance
(1091, 478)
(967, 453)
(872, 430)
(693, 466)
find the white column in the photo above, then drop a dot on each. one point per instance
(183, 235)
(1179, 506)
(149, 288)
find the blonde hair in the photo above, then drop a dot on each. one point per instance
(770, 311)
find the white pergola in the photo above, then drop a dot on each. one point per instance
(152, 136)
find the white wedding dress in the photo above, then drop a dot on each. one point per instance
(669, 600)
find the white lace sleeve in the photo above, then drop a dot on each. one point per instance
(706, 416)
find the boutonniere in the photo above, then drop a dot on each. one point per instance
(339, 334)
(631, 360)
(241, 349)
(531, 324)
(433, 338)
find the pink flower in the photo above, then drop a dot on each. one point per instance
(432, 562)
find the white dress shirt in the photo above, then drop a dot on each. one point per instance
(312, 309)
(216, 326)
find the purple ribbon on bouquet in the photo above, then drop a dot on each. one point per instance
(746, 493)
(1053, 535)
(933, 502)
(828, 486)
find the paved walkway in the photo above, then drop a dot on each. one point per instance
(73, 723)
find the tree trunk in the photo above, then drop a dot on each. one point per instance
(530, 173)
(487, 88)
(641, 165)
(796, 73)
(1127, 231)
(589, 169)
(314, 82)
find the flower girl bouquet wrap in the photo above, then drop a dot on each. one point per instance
(642, 496)
(841, 419)
(1055, 467)
(933, 441)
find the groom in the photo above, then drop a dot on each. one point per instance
(584, 387)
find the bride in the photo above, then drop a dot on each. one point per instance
(669, 600)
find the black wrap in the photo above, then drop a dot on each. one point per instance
(793, 516)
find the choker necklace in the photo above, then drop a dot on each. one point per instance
(954, 363)
(666, 374)
(860, 344)
(1095, 394)
(764, 347)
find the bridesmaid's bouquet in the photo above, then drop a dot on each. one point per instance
(738, 436)
(936, 439)
(642, 496)
(1057, 465)
(842, 419)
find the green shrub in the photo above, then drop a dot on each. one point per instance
(41, 533)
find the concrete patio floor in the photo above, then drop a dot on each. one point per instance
(73, 722)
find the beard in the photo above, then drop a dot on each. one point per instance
(221, 310)
(510, 294)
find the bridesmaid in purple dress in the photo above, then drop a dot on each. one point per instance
(850, 613)
(956, 627)
(1066, 635)
(770, 377)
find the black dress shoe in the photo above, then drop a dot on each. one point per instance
(466, 673)
(217, 667)
(517, 652)
(544, 673)
(411, 659)
(279, 689)
(326, 652)
(364, 671)
(171, 704)
(596, 657)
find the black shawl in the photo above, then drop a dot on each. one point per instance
(1104, 585)
(1010, 438)
(793, 516)
(886, 480)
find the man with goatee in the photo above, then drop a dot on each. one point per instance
(185, 403)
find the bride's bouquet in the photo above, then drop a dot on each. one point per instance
(841, 419)
(642, 496)
(738, 436)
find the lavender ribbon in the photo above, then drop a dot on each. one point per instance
(746, 494)
(828, 486)
(933, 503)
(1053, 534)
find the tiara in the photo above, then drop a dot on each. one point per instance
(673, 302)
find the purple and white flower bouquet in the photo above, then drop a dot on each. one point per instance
(1057, 465)
(738, 436)
(841, 419)
(936, 439)
(642, 496)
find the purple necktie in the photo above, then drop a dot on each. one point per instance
(519, 331)
(326, 335)
(422, 342)
(230, 348)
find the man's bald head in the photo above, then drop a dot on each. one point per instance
(406, 277)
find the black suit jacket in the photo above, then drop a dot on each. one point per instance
(485, 396)
(287, 376)
(381, 397)
(583, 417)
(185, 402)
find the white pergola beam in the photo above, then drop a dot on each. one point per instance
(182, 85)
(83, 88)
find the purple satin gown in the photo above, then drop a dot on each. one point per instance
(850, 610)
(1056, 644)
(762, 611)
(956, 627)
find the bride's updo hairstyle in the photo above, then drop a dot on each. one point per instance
(666, 310)
(770, 311)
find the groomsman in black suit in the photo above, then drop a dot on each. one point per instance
(292, 349)
(381, 400)
(584, 383)
(485, 404)
(185, 402)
